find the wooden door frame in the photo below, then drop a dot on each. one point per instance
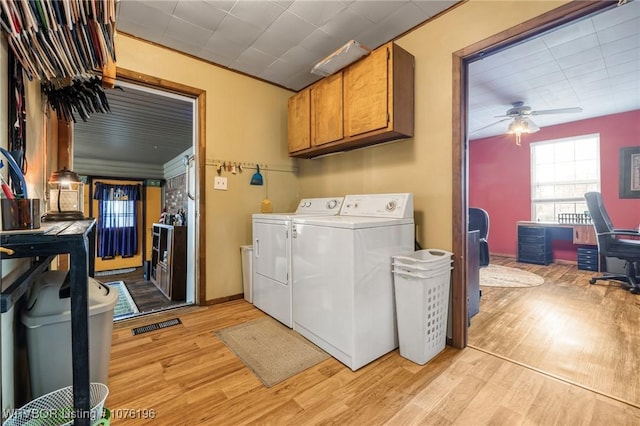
(65, 146)
(460, 158)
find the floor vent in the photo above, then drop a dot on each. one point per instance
(155, 326)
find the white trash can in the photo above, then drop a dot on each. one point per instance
(247, 271)
(48, 320)
(422, 303)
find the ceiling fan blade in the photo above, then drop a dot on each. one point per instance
(490, 125)
(556, 111)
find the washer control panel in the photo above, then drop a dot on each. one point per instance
(398, 206)
(320, 205)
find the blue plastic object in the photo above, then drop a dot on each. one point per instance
(16, 173)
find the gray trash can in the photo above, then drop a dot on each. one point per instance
(47, 318)
(247, 271)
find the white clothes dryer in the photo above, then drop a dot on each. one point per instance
(343, 298)
(271, 275)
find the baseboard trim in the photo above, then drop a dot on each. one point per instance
(219, 300)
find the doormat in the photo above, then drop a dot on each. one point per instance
(125, 306)
(503, 276)
(155, 326)
(270, 350)
(114, 272)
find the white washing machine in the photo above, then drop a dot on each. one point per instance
(271, 273)
(343, 298)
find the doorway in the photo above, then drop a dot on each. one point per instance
(460, 132)
(154, 150)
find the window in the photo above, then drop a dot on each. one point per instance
(562, 170)
(118, 214)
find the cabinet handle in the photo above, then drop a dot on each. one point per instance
(257, 248)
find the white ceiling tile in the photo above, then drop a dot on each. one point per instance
(143, 15)
(374, 11)
(575, 46)
(616, 15)
(317, 12)
(179, 29)
(260, 14)
(622, 58)
(220, 45)
(623, 30)
(580, 58)
(630, 69)
(346, 25)
(568, 33)
(183, 46)
(585, 68)
(240, 31)
(165, 6)
(225, 5)
(253, 61)
(299, 56)
(216, 57)
(629, 44)
(272, 45)
(200, 13)
(288, 25)
(403, 17)
(431, 7)
(320, 42)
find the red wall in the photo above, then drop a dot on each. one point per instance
(499, 177)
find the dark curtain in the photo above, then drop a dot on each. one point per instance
(117, 225)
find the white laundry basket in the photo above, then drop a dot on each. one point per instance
(56, 408)
(422, 304)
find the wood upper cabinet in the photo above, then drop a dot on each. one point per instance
(366, 90)
(326, 110)
(299, 121)
(368, 102)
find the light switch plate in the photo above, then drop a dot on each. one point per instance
(220, 183)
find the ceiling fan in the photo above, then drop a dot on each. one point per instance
(520, 116)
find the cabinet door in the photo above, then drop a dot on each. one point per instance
(326, 110)
(366, 91)
(299, 121)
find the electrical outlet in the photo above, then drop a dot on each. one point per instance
(220, 183)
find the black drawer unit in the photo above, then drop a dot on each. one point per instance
(534, 245)
(588, 259)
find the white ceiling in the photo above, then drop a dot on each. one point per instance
(593, 63)
(277, 41)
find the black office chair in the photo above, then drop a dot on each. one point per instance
(479, 220)
(609, 244)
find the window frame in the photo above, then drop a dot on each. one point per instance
(534, 183)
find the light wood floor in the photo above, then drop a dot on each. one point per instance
(587, 334)
(187, 376)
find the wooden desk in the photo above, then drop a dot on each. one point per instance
(534, 239)
(78, 240)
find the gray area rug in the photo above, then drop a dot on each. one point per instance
(504, 276)
(270, 350)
